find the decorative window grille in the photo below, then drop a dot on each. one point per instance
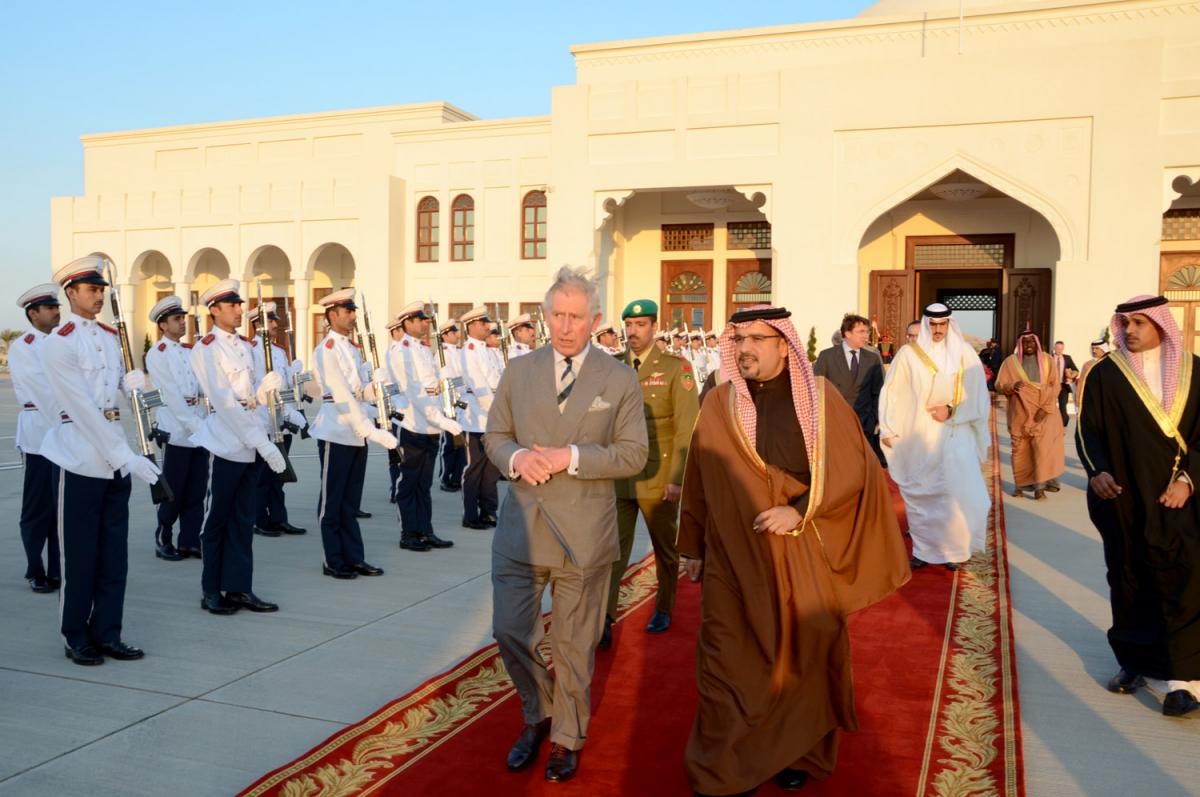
(970, 301)
(962, 255)
(749, 235)
(462, 243)
(428, 222)
(533, 226)
(687, 288)
(1181, 225)
(457, 309)
(752, 288)
(687, 237)
(1184, 285)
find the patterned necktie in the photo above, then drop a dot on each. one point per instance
(854, 364)
(567, 380)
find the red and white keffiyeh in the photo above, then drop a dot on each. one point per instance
(1041, 361)
(1172, 345)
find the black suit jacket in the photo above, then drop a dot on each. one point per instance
(861, 394)
(1067, 363)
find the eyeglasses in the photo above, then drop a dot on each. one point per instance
(757, 340)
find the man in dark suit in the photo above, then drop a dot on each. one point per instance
(1068, 373)
(857, 373)
(566, 423)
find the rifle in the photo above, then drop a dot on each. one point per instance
(141, 401)
(201, 399)
(543, 334)
(298, 380)
(623, 338)
(274, 400)
(383, 393)
(448, 386)
(503, 335)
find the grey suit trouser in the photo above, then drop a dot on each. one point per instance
(578, 598)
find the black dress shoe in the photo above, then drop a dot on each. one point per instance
(367, 569)
(951, 566)
(288, 528)
(1179, 702)
(216, 604)
(412, 542)
(448, 488)
(562, 764)
(525, 749)
(248, 600)
(259, 530)
(344, 573)
(358, 513)
(490, 520)
(659, 622)
(606, 636)
(168, 552)
(54, 582)
(791, 779)
(121, 651)
(87, 655)
(41, 584)
(1125, 682)
(916, 564)
(478, 525)
(1053, 486)
(434, 541)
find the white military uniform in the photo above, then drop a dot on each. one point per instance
(225, 367)
(169, 364)
(518, 349)
(39, 412)
(343, 418)
(481, 371)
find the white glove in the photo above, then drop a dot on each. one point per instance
(364, 372)
(272, 457)
(144, 469)
(133, 380)
(297, 367)
(294, 416)
(191, 426)
(452, 426)
(385, 439)
(272, 381)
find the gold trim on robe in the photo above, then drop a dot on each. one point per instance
(1168, 423)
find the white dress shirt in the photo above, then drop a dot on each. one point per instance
(560, 367)
(82, 361)
(39, 412)
(481, 376)
(224, 366)
(169, 364)
(849, 352)
(1152, 370)
(342, 419)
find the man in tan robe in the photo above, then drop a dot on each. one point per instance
(787, 517)
(1029, 377)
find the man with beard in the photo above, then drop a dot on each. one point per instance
(1138, 433)
(1030, 379)
(933, 418)
(777, 453)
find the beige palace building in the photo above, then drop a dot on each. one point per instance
(1028, 162)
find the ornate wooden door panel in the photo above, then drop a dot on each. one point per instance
(747, 282)
(687, 293)
(1026, 300)
(892, 295)
(1179, 281)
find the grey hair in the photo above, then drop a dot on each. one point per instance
(570, 278)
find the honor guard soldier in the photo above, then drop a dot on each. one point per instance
(671, 406)
(606, 339)
(271, 515)
(185, 465)
(395, 330)
(83, 363)
(493, 345)
(236, 437)
(342, 428)
(39, 494)
(523, 334)
(481, 377)
(713, 352)
(698, 355)
(414, 370)
(454, 455)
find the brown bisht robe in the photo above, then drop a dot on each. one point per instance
(1037, 446)
(773, 655)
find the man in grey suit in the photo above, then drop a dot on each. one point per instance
(857, 373)
(566, 422)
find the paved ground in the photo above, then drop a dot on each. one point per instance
(220, 700)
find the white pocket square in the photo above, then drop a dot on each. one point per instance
(599, 404)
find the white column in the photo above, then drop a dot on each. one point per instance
(302, 322)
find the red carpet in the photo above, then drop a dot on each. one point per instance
(940, 649)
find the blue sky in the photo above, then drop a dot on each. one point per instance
(69, 68)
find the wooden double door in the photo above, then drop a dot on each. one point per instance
(687, 290)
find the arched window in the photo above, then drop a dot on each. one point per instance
(462, 229)
(428, 225)
(533, 229)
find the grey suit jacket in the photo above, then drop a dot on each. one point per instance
(569, 519)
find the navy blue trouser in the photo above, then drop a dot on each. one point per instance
(343, 469)
(186, 472)
(414, 480)
(39, 518)
(229, 526)
(269, 506)
(454, 459)
(480, 495)
(93, 517)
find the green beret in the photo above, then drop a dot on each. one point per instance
(640, 307)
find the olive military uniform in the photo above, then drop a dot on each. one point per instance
(669, 398)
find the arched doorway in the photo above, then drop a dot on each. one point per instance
(206, 267)
(332, 268)
(152, 281)
(269, 266)
(966, 244)
(1179, 259)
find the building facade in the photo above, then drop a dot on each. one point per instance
(1027, 163)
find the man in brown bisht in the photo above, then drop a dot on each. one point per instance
(787, 516)
(1030, 379)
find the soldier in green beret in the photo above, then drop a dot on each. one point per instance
(670, 401)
